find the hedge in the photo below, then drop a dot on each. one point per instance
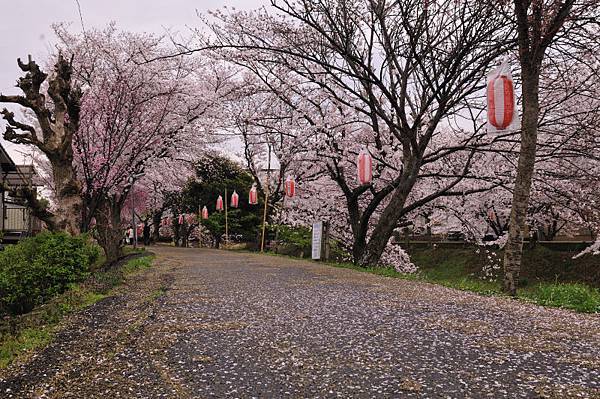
(38, 268)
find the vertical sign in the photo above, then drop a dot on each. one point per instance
(317, 236)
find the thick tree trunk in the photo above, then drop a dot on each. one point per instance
(146, 233)
(176, 232)
(156, 219)
(68, 196)
(110, 234)
(358, 249)
(514, 246)
(385, 226)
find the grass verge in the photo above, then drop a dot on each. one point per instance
(21, 335)
(457, 272)
(575, 296)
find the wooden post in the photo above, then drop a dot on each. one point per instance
(226, 225)
(262, 240)
(199, 226)
(279, 222)
(326, 246)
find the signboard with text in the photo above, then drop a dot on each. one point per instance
(317, 238)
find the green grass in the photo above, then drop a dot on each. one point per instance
(143, 262)
(34, 330)
(26, 341)
(459, 268)
(130, 250)
(23, 334)
(575, 296)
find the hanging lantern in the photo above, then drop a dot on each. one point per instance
(180, 219)
(501, 100)
(364, 163)
(204, 213)
(253, 195)
(290, 187)
(235, 200)
(220, 203)
(140, 230)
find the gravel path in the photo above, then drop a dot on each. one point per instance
(206, 323)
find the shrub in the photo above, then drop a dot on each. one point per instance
(38, 268)
(295, 241)
(575, 296)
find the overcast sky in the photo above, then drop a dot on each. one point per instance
(25, 27)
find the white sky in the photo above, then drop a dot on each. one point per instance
(25, 28)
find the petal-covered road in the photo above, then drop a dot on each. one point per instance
(206, 323)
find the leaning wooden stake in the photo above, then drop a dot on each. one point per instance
(226, 224)
(262, 240)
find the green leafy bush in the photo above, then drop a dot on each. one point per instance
(294, 241)
(575, 296)
(38, 268)
(300, 236)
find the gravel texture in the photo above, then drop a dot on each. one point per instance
(206, 323)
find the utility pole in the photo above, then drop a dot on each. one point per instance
(262, 241)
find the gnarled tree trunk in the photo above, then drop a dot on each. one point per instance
(58, 122)
(69, 203)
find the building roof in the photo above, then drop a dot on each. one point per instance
(23, 175)
(6, 163)
(13, 175)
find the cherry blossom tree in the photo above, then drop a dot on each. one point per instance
(132, 113)
(388, 77)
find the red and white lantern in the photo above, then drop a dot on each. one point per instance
(180, 219)
(235, 200)
(220, 203)
(364, 164)
(290, 187)
(253, 196)
(501, 101)
(204, 213)
(140, 230)
(190, 218)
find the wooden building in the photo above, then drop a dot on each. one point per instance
(16, 220)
